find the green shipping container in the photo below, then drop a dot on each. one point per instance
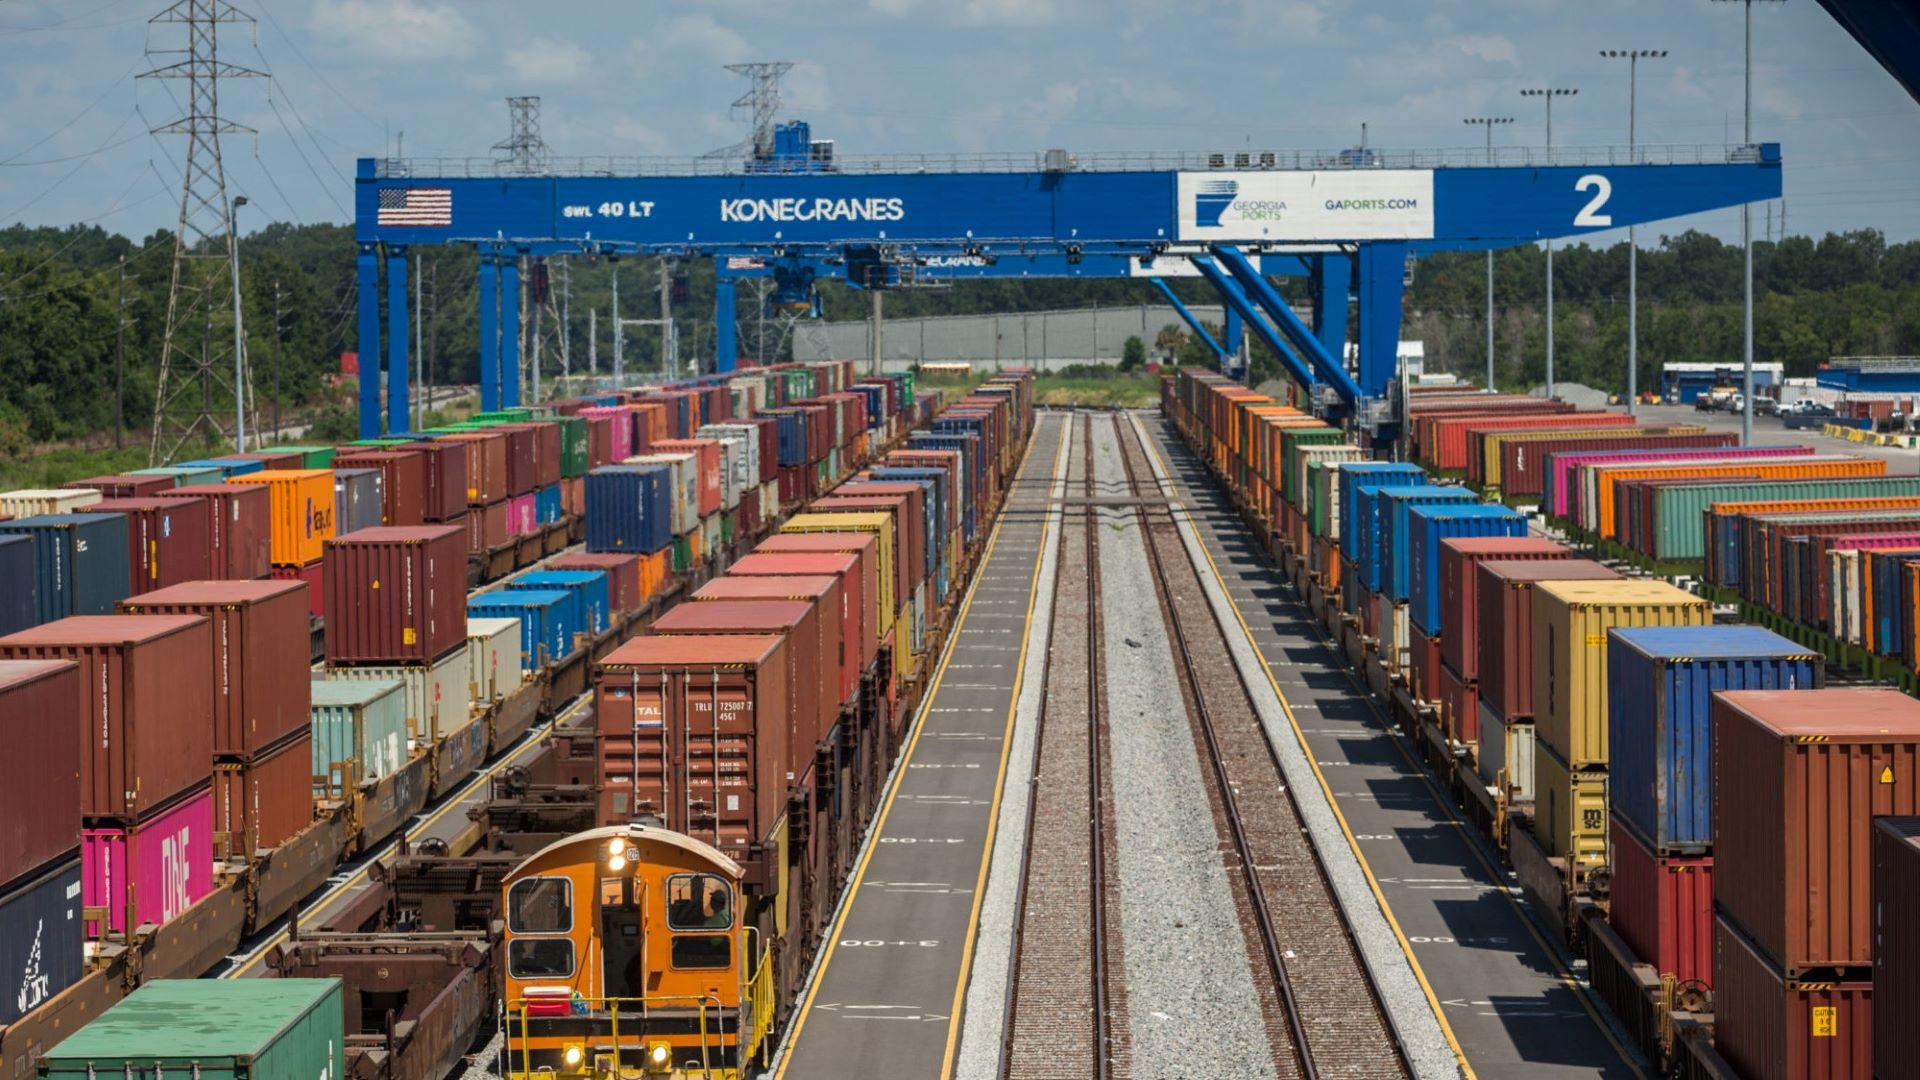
(1291, 442)
(1679, 513)
(364, 722)
(573, 445)
(726, 527)
(682, 554)
(383, 442)
(311, 457)
(212, 1029)
(183, 477)
(504, 416)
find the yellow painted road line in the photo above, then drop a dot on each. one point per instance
(886, 807)
(1494, 874)
(456, 799)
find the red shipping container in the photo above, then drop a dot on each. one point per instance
(314, 577)
(540, 443)
(171, 540)
(445, 465)
(1662, 905)
(1798, 776)
(858, 591)
(1523, 464)
(124, 487)
(863, 547)
(1770, 1027)
(1425, 662)
(1896, 945)
(166, 860)
(274, 459)
(403, 482)
(573, 496)
(1459, 706)
(1459, 598)
(907, 503)
(239, 527)
(1505, 614)
(262, 677)
(486, 464)
(682, 735)
(811, 687)
(706, 454)
(487, 527)
(262, 802)
(396, 596)
(146, 690)
(623, 576)
(40, 772)
(821, 590)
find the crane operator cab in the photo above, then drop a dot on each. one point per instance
(627, 957)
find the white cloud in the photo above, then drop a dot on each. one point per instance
(395, 29)
(1025, 121)
(548, 61)
(1004, 12)
(894, 8)
(698, 37)
(1493, 48)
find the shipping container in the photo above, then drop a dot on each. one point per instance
(403, 483)
(863, 547)
(693, 730)
(1772, 1027)
(1570, 809)
(549, 619)
(168, 540)
(42, 945)
(146, 690)
(261, 655)
(301, 504)
(837, 645)
(811, 685)
(1459, 595)
(624, 586)
(212, 1029)
(1375, 474)
(1431, 526)
(494, 669)
(394, 595)
(853, 569)
(314, 578)
(436, 693)
(1661, 681)
(80, 562)
(1798, 778)
(359, 731)
(1562, 483)
(1523, 461)
(36, 502)
(19, 583)
(596, 607)
(1505, 612)
(892, 588)
(1896, 944)
(445, 466)
(160, 865)
(239, 517)
(1570, 624)
(1662, 906)
(312, 457)
(487, 528)
(630, 508)
(486, 465)
(124, 486)
(261, 802)
(40, 773)
(1505, 754)
(359, 500)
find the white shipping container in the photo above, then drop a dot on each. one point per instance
(437, 701)
(493, 659)
(32, 502)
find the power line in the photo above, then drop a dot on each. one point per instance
(79, 116)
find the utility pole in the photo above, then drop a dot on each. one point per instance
(120, 358)
(239, 334)
(566, 324)
(1746, 245)
(277, 331)
(669, 361)
(593, 341)
(433, 332)
(1549, 93)
(1633, 58)
(875, 327)
(619, 333)
(1489, 122)
(419, 331)
(533, 295)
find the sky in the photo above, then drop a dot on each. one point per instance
(359, 78)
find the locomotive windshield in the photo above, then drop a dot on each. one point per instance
(541, 905)
(700, 902)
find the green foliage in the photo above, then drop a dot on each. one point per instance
(1133, 353)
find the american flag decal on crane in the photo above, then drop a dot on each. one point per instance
(415, 206)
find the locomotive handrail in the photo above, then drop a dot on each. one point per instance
(759, 998)
(610, 1007)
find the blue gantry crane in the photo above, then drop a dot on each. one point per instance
(1346, 222)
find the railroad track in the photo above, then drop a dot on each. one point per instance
(1064, 1014)
(1330, 1018)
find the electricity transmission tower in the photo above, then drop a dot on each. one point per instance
(525, 151)
(200, 302)
(761, 102)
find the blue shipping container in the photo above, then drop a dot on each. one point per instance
(1376, 474)
(1428, 527)
(19, 584)
(1394, 504)
(591, 586)
(629, 509)
(42, 949)
(546, 504)
(972, 467)
(1660, 681)
(548, 620)
(81, 562)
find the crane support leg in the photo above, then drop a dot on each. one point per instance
(1383, 268)
(724, 349)
(367, 268)
(399, 332)
(1235, 340)
(509, 332)
(1262, 293)
(1193, 322)
(1332, 277)
(1236, 299)
(489, 333)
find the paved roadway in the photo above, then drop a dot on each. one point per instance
(884, 997)
(1510, 1006)
(1768, 431)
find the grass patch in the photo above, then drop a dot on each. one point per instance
(1110, 389)
(56, 467)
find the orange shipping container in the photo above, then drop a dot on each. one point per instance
(300, 505)
(1792, 469)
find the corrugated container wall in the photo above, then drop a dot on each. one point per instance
(1773, 1028)
(162, 864)
(1896, 945)
(394, 595)
(357, 724)
(242, 533)
(19, 583)
(1505, 611)
(262, 802)
(80, 562)
(1460, 560)
(42, 947)
(1662, 905)
(40, 772)
(267, 1029)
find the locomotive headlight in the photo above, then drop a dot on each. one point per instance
(573, 1055)
(617, 862)
(659, 1056)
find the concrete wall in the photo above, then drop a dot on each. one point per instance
(1040, 339)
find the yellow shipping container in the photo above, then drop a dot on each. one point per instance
(880, 523)
(300, 512)
(1570, 812)
(1570, 624)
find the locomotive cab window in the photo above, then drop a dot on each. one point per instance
(540, 906)
(698, 902)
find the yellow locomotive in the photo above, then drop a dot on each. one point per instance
(627, 956)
